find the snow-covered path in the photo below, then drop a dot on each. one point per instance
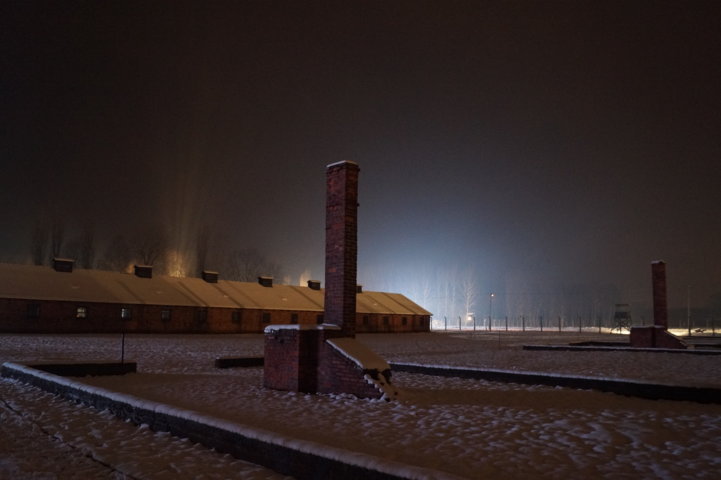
(45, 437)
(470, 428)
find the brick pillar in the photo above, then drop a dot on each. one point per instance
(660, 306)
(341, 247)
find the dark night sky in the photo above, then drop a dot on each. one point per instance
(534, 143)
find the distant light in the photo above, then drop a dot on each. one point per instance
(177, 265)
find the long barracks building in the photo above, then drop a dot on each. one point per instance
(62, 299)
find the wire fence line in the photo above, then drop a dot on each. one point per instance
(705, 325)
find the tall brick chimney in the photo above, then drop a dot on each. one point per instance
(327, 358)
(341, 245)
(660, 304)
(657, 335)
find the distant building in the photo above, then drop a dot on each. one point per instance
(62, 299)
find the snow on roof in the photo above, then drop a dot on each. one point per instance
(297, 326)
(342, 162)
(34, 282)
(381, 302)
(363, 356)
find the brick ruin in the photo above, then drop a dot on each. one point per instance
(326, 358)
(657, 335)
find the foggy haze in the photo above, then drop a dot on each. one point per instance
(534, 149)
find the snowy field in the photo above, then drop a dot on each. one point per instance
(466, 428)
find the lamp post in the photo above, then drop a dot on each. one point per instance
(490, 310)
(688, 309)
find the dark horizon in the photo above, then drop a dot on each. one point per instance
(532, 148)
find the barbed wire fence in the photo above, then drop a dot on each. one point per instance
(559, 314)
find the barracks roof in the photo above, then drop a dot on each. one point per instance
(33, 282)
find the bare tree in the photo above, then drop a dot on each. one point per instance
(117, 256)
(469, 292)
(72, 248)
(82, 248)
(447, 289)
(150, 246)
(714, 304)
(86, 256)
(57, 237)
(38, 243)
(247, 264)
(202, 243)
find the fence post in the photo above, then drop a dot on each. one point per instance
(559, 324)
(580, 322)
(540, 318)
(523, 323)
(459, 322)
(506, 322)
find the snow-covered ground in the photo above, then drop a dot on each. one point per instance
(469, 428)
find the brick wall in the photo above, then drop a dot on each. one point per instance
(281, 368)
(291, 359)
(60, 316)
(373, 323)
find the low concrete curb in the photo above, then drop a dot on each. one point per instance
(653, 391)
(298, 458)
(86, 369)
(607, 348)
(243, 362)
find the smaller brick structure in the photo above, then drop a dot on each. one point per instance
(321, 359)
(655, 336)
(291, 356)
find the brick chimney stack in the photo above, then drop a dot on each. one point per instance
(341, 246)
(660, 304)
(327, 358)
(657, 335)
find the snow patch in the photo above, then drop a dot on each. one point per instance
(469, 428)
(372, 364)
(305, 446)
(358, 353)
